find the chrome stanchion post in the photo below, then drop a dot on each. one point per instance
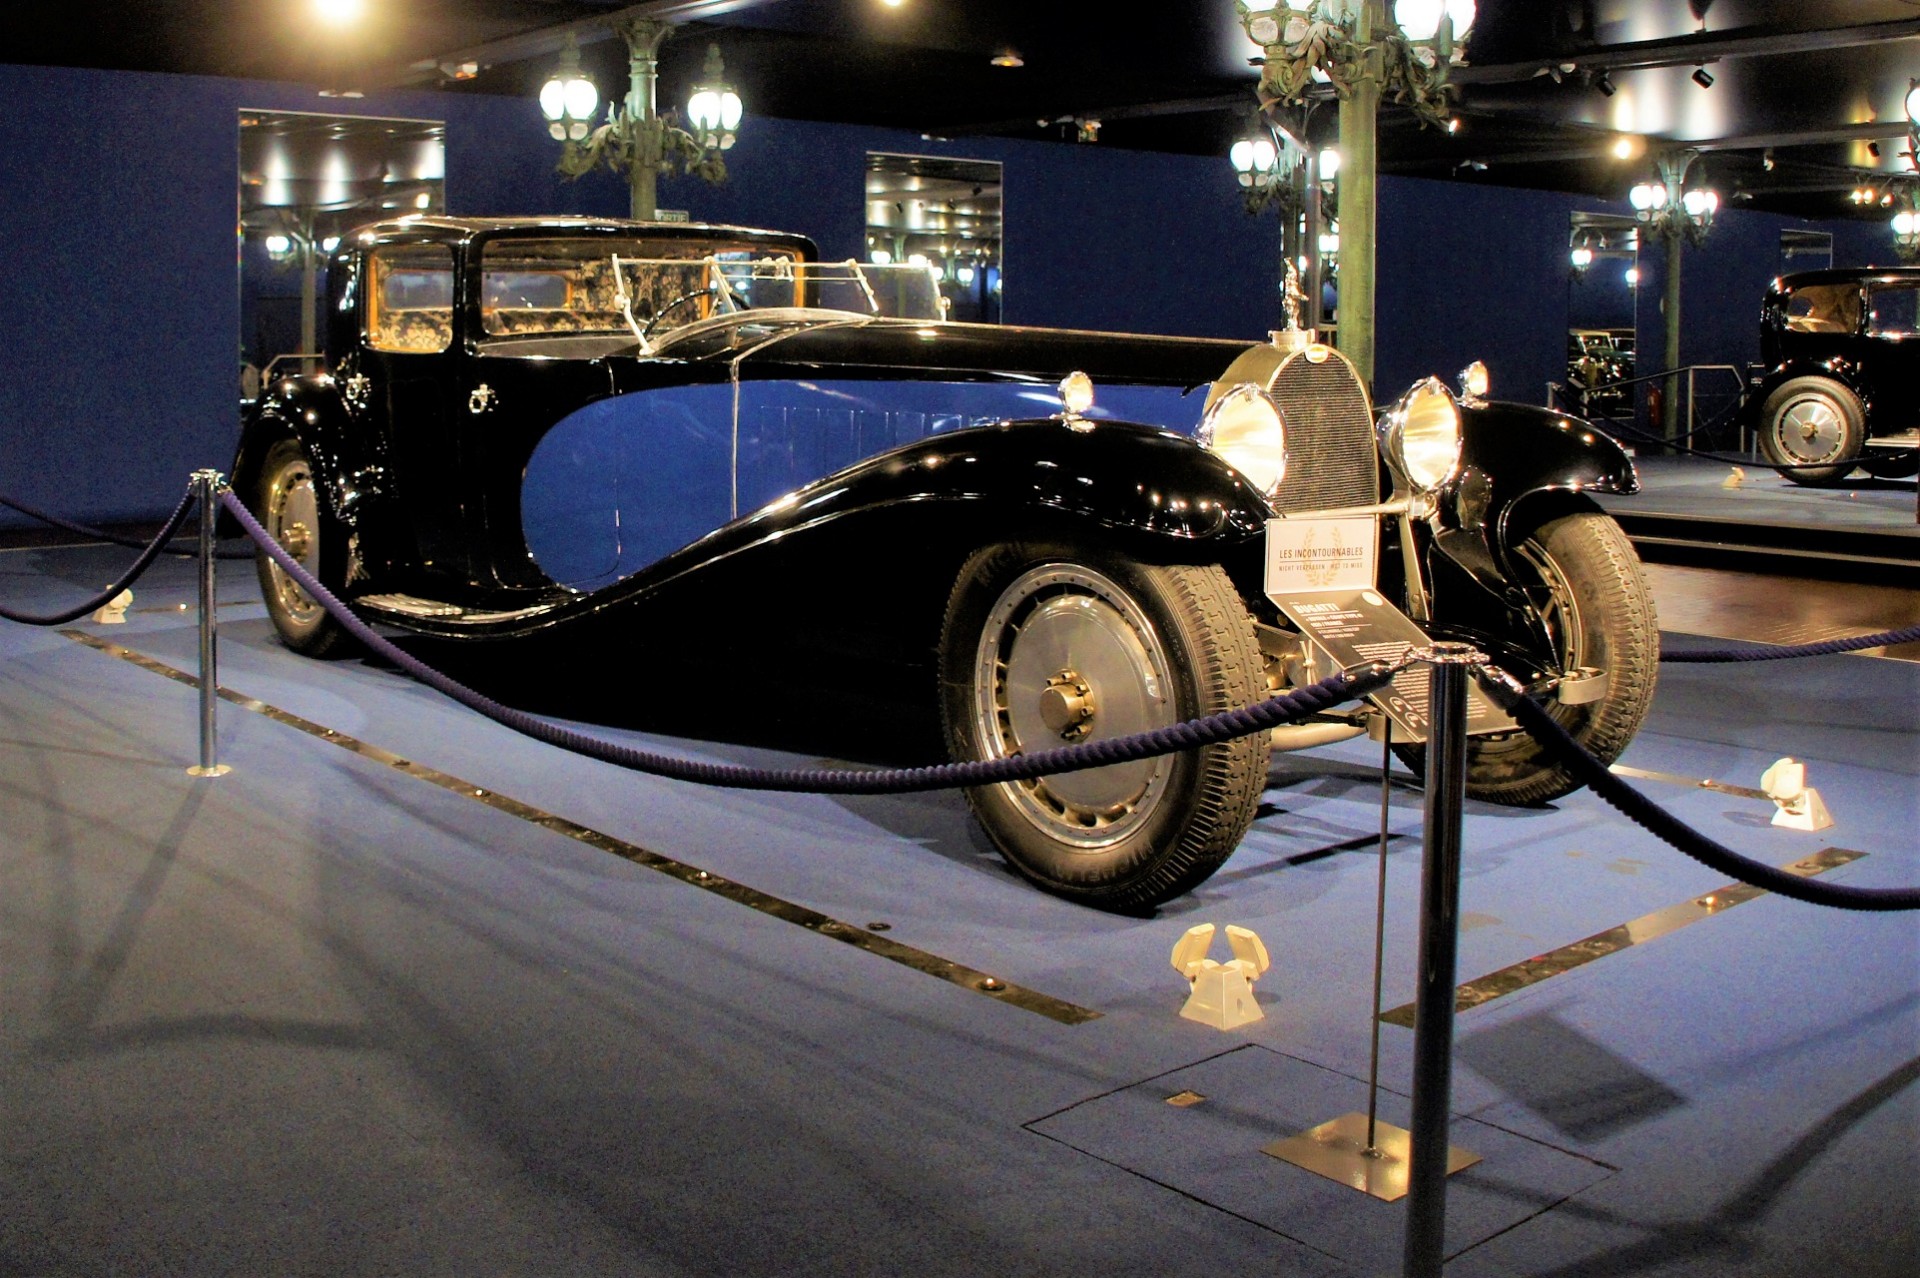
(1452, 664)
(207, 484)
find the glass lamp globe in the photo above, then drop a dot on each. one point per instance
(1419, 19)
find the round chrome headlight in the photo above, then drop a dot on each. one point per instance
(1423, 436)
(1243, 428)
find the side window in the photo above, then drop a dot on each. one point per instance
(410, 299)
(1824, 308)
(1894, 313)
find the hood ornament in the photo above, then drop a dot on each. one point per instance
(1292, 296)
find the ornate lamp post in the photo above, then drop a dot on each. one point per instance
(1676, 216)
(1905, 189)
(1364, 57)
(636, 138)
(1277, 168)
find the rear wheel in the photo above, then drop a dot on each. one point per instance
(291, 512)
(1808, 421)
(1048, 646)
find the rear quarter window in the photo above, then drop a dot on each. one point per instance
(1824, 308)
(410, 300)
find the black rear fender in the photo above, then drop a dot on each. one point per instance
(308, 409)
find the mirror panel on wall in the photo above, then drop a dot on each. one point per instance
(305, 181)
(1805, 251)
(1603, 260)
(945, 213)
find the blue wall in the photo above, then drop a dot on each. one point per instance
(119, 282)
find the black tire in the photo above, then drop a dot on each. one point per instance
(1590, 591)
(1810, 420)
(1022, 619)
(290, 509)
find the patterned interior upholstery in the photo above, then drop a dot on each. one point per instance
(421, 332)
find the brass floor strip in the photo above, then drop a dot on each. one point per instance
(1718, 787)
(1641, 930)
(812, 920)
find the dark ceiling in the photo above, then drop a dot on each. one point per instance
(1803, 95)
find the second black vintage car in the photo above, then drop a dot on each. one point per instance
(645, 444)
(1841, 387)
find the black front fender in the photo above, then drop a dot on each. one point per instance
(1512, 456)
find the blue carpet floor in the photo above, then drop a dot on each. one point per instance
(320, 1017)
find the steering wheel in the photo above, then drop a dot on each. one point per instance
(670, 307)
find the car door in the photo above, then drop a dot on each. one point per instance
(505, 401)
(1889, 355)
(408, 357)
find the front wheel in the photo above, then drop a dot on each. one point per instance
(1583, 582)
(1047, 646)
(290, 510)
(1808, 421)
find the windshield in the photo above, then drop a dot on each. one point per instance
(648, 288)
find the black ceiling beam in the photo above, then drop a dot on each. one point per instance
(1696, 47)
(545, 41)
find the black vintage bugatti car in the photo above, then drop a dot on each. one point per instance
(1839, 353)
(612, 437)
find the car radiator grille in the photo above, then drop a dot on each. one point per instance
(1331, 460)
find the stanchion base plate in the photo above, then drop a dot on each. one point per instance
(1337, 1149)
(217, 770)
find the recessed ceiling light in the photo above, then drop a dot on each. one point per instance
(1008, 58)
(340, 12)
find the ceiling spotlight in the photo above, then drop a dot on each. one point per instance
(1766, 159)
(340, 13)
(1604, 83)
(1624, 149)
(1702, 78)
(1008, 58)
(1873, 149)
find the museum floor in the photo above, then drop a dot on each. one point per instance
(445, 1002)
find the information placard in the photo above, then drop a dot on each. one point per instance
(1315, 553)
(1352, 627)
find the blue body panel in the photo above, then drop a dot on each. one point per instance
(626, 481)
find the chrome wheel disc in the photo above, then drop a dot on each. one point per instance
(1066, 656)
(293, 519)
(1810, 430)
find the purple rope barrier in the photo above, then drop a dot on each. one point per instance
(1645, 812)
(140, 565)
(101, 534)
(1190, 735)
(1824, 648)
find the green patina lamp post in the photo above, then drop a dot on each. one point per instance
(635, 137)
(1364, 52)
(1675, 216)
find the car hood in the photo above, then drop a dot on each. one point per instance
(844, 342)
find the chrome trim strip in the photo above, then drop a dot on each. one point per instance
(1718, 787)
(1648, 927)
(862, 938)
